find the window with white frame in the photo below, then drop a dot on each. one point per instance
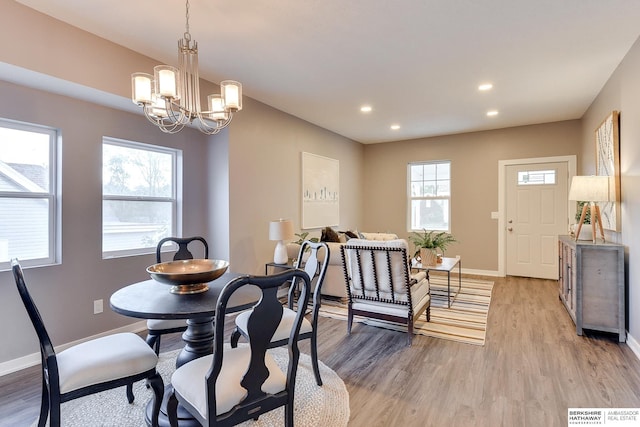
(536, 177)
(140, 196)
(29, 220)
(429, 196)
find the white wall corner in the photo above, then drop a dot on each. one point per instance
(633, 345)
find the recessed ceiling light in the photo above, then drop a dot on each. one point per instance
(492, 113)
(395, 127)
(485, 86)
(366, 108)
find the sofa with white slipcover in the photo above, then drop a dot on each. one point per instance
(334, 281)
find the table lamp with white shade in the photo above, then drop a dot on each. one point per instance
(591, 189)
(281, 230)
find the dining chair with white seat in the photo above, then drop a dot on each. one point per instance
(313, 258)
(158, 327)
(90, 367)
(237, 384)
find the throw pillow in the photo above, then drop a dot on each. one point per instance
(329, 235)
(351, 234)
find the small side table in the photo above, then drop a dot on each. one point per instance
(284, 290)
(287, 266)
(447, 265)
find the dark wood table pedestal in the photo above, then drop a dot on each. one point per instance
(152, 300)
(198, 340)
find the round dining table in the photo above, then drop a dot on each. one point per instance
(152, 300)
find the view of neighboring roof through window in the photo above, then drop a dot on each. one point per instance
(28, 199)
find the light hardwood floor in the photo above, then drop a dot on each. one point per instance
(532, 368)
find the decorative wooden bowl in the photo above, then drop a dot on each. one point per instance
(189, 276)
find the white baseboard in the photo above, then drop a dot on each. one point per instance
(633, 345)
(479, 272)
(33, 359)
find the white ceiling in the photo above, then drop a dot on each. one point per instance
(416, 62)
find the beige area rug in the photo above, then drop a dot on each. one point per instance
(327, 405)
(465, 321)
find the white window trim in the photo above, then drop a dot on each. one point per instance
(410, 198)
(53, 196)
(175, 200)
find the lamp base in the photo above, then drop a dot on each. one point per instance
(596, 221)
(280, 255)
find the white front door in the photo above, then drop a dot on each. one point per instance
(536, 213)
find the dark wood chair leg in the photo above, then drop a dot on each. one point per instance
(130, 396)
(410, 332)
(172, 410)
(314, 357)
(157, 385)
(288, 409)
(235, 336)
(349, 320)
(54, 413)
(44, 405)
(154, 342)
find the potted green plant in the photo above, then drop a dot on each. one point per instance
(303, 236)
(428, 242)
(585, 232)
(587, 217)
(294, 246)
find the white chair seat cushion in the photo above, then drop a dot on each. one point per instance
(104, 359)
(189, 380)
(419, 276)
(284, 328)
(160, 324)
(419, 297)
(420, 294)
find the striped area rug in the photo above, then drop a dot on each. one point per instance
(465, 321)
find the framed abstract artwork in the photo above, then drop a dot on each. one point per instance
(320, 191)
(608, 164)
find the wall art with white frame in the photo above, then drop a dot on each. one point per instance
(608, 164)
(320, 191)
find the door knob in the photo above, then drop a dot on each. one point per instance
(510, 229)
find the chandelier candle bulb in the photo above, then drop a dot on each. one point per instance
(216, 106)
(232, 94)
(158, 106)
(166, 81)
(141, 87)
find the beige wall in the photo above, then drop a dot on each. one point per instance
(265, 177)
(66, 292)
(234, 182)
(622, 93)
(474, 173)
(239, 180)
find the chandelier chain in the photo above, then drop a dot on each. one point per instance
(187, 34)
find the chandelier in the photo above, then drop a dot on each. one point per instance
(170, 98)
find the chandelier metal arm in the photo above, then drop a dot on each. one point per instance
(210, 126)
(163, 125)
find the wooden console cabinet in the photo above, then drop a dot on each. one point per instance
(591, 285)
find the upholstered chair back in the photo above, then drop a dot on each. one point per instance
(378, 269)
